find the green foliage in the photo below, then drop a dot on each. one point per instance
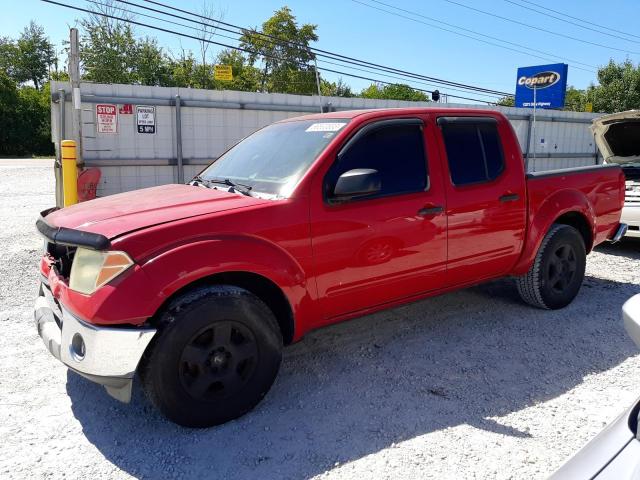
(246, 77)
(24, 109)
(35, 55)
(285, 67)
(396, 91)
(9, 56)
(183, 70)
(575, 99)
(108, 51)
(619, 87)
(336, 89)
(27, 59)
(35, 115)
(8, 108)
(24, 119)
(151, 66)
(506, 102)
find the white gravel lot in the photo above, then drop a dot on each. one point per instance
(472, 384)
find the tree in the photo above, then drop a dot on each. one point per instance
(8, 107)
(34, 115)
(8, 58)
(396, 91)
(29, 58)
(246, 77)
(208, 16)
(575, 99)
(286, 62)
(183, 70)
(151, 65)
(506, 101)
(336, 89)
(24, 119)
(108, 48)
(619, 87)
(35, 56)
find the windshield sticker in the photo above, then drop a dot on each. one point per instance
(325, 127)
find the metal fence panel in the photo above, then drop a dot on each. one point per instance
(213, 120)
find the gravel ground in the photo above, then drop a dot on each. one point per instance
(467, 385)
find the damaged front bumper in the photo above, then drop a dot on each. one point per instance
(108, 356)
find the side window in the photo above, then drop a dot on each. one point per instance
(396, 151)
(474, 151)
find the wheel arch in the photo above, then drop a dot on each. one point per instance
(566, 207)
(260, 286)
(578, 221)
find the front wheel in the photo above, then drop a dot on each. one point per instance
(555, 277)
(216, 354)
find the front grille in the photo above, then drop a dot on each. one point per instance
(62, 256)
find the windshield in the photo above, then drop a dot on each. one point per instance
(273, 159)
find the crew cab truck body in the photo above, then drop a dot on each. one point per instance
(305, 223)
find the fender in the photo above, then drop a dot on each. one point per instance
(542, 217)
(178, 267)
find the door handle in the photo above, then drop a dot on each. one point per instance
(427, 211)
(509, 197)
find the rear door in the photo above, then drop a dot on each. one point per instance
(388, 245)
(485, 190)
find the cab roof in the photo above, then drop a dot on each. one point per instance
(382, 112)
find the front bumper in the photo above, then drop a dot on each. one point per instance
(105, 355)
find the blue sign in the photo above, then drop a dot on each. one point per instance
(547, 83)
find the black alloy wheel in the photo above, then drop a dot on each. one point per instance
(218, 360)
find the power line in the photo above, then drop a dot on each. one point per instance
(124, 10)
(580, 19)
(73, 7)
(580, 25)
(507, 19)
(593, 67)
(320, 52)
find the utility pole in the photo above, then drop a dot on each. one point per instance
(74, 75)
(535, 105)
(315, 63)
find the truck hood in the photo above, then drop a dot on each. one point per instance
(618, 137)
(125, 212)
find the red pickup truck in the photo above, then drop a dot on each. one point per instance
(307, 222)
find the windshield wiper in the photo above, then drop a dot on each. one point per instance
(200, 180)
(240, 187)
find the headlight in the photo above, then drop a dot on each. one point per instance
(91, 269)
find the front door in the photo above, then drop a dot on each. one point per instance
(388, 245)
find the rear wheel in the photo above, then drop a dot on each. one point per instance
(557, 272)
(217, 353)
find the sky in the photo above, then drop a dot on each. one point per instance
(359, 28)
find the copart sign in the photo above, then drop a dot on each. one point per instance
(546, 85)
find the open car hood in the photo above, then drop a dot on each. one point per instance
(126, 212)
(618, 136)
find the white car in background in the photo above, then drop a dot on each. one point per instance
(618, 138)
(614, 454)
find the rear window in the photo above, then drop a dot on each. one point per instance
(474, 151)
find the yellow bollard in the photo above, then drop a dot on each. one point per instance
(69, 172)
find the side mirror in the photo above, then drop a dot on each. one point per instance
(356, 182)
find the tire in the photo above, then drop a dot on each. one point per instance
(557, 272)
(216, 354)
